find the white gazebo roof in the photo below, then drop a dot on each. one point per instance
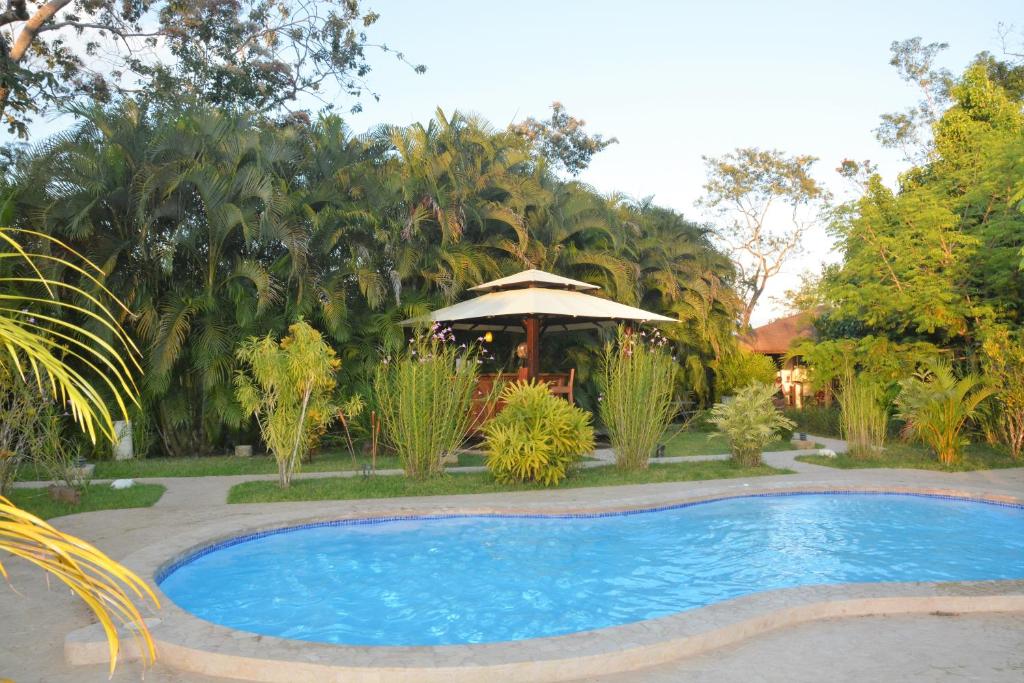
(535, 278)
(534, 293)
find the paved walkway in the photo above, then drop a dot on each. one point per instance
(38, 616)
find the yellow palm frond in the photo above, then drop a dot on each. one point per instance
(105, 586)
(44, 351)
(73, 363)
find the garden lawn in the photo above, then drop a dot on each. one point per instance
(707, 443)
(218, 465)
(976, 457)
(96, 497)
(347, 488)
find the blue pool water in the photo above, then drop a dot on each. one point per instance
(486, 579)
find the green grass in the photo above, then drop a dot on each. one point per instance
(96, 497)
(703, 443)
(347, 488)
(220, 465)
(900, 455)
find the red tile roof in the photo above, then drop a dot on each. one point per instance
(778, 336)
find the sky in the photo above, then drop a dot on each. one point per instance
(674, 81)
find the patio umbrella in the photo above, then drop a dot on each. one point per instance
(534, 300)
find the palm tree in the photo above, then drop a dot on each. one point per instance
(936, 406)
(80, 369)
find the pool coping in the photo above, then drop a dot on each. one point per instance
(188, 643)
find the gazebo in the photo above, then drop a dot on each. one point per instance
(534, 302)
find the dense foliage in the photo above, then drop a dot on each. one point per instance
(937, 260)
(215, 227)
(536, 437)
(931, 269)
(739, 368)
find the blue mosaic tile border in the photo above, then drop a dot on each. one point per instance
(172, 567)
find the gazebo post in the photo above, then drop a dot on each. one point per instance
(532, 326)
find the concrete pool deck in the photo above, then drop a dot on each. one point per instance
(191, 513)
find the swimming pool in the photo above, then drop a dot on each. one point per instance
(478, 579)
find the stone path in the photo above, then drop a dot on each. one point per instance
(36, 618)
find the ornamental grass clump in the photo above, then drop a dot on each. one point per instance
(536, 437)
(749, 421)
(424, 398)
(936, 407)
(288, 387)
(863, 415)
(637, 382)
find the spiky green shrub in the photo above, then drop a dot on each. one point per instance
(637, 382)
(288, 387)
(425, 398)
(936, 406)
(536, 437)
(749, 421)
(863, 415)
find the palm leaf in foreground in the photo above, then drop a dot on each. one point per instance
(105, 586)
(39, 347)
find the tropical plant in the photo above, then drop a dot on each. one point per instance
(936, 406)
(215, 226)
(749, 421)
(424, 398)
(536, 437)
(863, 415)
(638, 381)
(51, 343)
(288, 387)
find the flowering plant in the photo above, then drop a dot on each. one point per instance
(425, 398)
(637, 395)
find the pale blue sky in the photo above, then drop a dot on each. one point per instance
(676, 80)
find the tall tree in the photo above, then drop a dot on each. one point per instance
(561, 139)
(767, 201)
(249, 54)
(915, 62)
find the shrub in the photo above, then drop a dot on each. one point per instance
(1004, 366)
(863, 415)
(288, 387)
(637, 380)
(936, 406)
(822, 420)
(749, 421)
(740, 368)
(424, 399)
(26, 417)
(536, 437)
